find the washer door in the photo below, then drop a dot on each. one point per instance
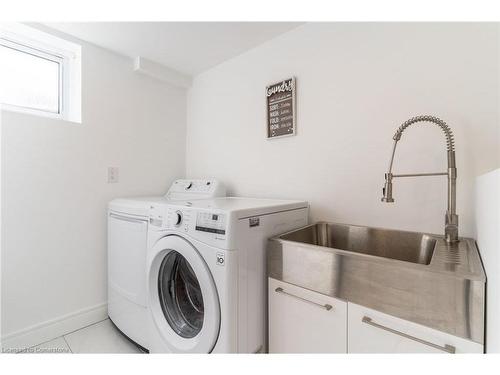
(184, 300)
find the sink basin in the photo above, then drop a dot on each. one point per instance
(393, 244)
(418, 277)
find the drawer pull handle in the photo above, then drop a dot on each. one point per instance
(326, 306)
(447, 348)
(129, 219)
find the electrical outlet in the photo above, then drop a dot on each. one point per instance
(112, 175)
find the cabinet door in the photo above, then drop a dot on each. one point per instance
(127, 243)
(302, 321)
(371, 331)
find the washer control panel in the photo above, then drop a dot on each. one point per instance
(210, 226)
(177, 218)
(169, 218)
(211, 222)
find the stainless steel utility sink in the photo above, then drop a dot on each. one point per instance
(415, 276)
(406, 246)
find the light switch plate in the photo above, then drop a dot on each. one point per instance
(113, 175)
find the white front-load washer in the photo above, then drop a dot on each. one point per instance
(128, 223)
(206, 272)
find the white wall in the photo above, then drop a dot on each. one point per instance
(488, 241)
(356, 83)
(55, 190)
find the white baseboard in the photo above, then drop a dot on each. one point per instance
(54, 328)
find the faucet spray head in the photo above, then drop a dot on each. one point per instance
(387, 190)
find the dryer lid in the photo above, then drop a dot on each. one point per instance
(179, 190)
(138, 206)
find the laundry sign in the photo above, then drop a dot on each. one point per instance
(280, 98)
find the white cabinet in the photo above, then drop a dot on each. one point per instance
(370, 331)
(302, 321)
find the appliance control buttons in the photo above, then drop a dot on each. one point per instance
(178, 218)
(211, 222)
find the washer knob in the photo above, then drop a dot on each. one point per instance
(178, 219)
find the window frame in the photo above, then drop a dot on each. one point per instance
(50, 56)
(44, 44)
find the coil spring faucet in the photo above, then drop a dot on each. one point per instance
(451, 219)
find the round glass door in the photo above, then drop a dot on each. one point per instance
(180, 295)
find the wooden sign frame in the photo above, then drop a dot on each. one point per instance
(278, 102)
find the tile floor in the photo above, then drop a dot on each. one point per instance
(101, 337)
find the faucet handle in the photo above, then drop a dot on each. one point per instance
(451, 227)
(387, 189)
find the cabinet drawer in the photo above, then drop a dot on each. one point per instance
(303, 321)
(371, 331)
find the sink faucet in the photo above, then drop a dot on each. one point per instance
(451, 219)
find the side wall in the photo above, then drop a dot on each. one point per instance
(356, 83)
(488, 241)
(55, 190)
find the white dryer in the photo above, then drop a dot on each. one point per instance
(206, 273)
(127, 245)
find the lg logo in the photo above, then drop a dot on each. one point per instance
(220, 259)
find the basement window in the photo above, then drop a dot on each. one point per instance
(39, 73)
